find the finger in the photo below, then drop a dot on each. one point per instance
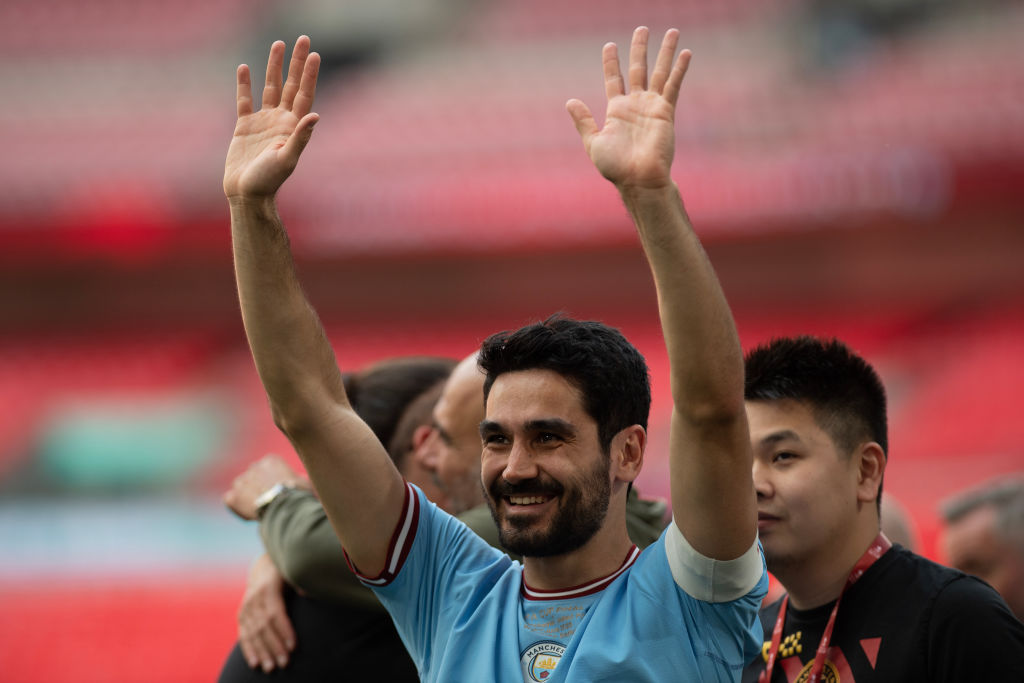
(584, 120)
(261, 655)
(295, 68)
(243, 91)
(675, 79)
(284, 629)
(613, 85)
(299, 138)
(307, 86)
(278, 622)
(638, 60)
(252, 658)
(274, 644)
(664, 62)
(255, 651)
(272, 85)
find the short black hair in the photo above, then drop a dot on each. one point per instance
(609, 372)
(843, 391)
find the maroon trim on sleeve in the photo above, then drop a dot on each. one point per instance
(400, 544)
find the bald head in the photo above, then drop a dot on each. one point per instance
(454, 451)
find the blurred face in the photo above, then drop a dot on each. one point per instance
(972, 545)
(806, 489)
(413, 468)
(452, 452)
(546, 476)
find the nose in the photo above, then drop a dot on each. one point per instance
(762, 480)
(520, 465)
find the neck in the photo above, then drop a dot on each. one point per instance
(572, 569)
(598, 557)
(820, 579)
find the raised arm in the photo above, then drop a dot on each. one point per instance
(359, 486)
(712, 489)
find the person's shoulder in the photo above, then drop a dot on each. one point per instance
(951, 591)
(968, 625)
(907, 566)
(646, 518)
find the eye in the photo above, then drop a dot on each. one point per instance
(783, 457)
(495, 440)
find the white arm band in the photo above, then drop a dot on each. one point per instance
(707, 579)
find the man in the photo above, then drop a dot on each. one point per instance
(587, 607)
(335, 613)
(857, 609)
(984, 536)
(452, 450)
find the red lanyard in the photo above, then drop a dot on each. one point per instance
(878, 548)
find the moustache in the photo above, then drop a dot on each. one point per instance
(531, 487)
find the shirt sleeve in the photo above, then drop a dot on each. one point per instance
(708, 579)
(436, 567)
(973, 636)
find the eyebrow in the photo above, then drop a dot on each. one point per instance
(489, 427)
(549, 424)
(779, 436)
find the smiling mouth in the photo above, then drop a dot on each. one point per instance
(527, 500)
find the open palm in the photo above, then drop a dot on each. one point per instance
(636, 145)
(267, 143)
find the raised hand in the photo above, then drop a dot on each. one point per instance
(635, 147)
(267, 143)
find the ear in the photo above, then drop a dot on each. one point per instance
(418, 449)
(420, 436)
(871, 462)
(627, 453)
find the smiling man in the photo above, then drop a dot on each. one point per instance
(558, 394)
(564, 432)
(857, 609)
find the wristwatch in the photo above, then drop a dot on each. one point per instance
(267, 497)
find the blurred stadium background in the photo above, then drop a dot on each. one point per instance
(855, 169)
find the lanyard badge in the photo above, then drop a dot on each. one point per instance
(877, 548)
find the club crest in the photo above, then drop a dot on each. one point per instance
(540, 659)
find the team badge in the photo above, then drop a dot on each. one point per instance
(828, 675)
(540, 659)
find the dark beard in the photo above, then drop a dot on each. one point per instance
(580, 514)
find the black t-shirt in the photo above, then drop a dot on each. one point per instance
(334, 643)
(907, 619)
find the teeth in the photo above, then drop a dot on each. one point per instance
(526, 500)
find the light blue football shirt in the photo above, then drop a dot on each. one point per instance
(465, 613)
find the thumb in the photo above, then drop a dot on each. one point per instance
(299, 138)
(584, 120)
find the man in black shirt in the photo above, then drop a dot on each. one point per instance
(857, 608)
